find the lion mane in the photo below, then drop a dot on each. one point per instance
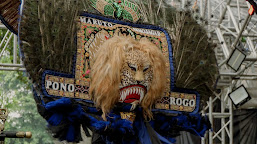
(106, 73)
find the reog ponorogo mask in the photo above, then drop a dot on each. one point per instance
(110, 76)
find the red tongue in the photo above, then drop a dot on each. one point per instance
(131, 98)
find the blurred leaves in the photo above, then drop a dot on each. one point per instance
(16, 96)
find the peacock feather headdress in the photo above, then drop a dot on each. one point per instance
(48, 37)
(48, 34)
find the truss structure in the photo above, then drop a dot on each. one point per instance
(230, 26)
(9, 41)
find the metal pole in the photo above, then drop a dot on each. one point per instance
(241, 30)
(222, 41)
(239, 72)
(222, 63)
(250, 59)
(211, 120)
(12, 69)
(209, 16)
(209, 9)
(6, 44)
(231, 122)
(233, 18)
(238, 13)
(217, 6)
(2, 26)
(221, 129)
(223, 13)
(209, 105)
(11, 65)
(183, 4)
(247, 78)
(229, 33)
(236, 74)
(228, 30)
(6, 34)
(203, 138)
(222, 119)
(15, 49)
(251, 46)
(241, 6)
(219, 115)
(201, 8)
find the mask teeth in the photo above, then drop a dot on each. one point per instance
(137, 90)
(125, 94)
(134, 90)
(141, 94)
(121, 96)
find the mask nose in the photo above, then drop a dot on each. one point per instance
(139, 76)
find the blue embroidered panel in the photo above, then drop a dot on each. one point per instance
(179, 101)
(94, 30)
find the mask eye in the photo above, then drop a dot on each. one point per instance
(132, 67)
(145, 69)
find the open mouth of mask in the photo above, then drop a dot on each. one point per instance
(132, 93)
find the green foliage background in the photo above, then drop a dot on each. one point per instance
(16, 96)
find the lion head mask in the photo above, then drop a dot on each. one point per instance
(129, 71)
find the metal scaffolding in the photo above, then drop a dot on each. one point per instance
(10, 41)
(230, 26)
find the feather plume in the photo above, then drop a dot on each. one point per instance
(48, 32)
(193, 51)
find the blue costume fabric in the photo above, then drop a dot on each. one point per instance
(65, 116)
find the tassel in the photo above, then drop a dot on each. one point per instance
(99, 125)
(65, 119)
(76, 114)
(70, 137)
(63, 102)
(123, 126)
(85, 128)
(171, 126)
(55, 119)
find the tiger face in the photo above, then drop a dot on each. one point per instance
(128, 71)
(136, 76)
